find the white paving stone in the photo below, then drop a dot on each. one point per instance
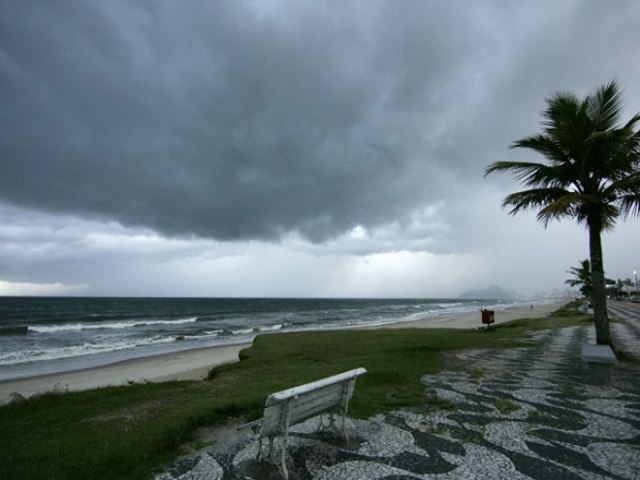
(622, 460)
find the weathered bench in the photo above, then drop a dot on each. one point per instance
(600, 359)
(288, 407)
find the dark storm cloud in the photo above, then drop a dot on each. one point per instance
(223, 120)
(240, 120)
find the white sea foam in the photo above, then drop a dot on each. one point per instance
(68, 327)
(24, 356)
(242, 331)
(449, 305)
(264, 328)
(269, 328)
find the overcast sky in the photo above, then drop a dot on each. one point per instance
(291, 148)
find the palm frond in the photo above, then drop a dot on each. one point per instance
(604, 106)
(544, 145)
(533, 199)
(632, 122)
(562, 109)
(626, 185)
(535, 174)
(630, 205)
(566, 205)
(615, 153)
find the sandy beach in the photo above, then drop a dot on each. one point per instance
(195, 364)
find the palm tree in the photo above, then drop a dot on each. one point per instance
(581, 277)
(592, 174)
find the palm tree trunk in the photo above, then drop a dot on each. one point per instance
(598, 295)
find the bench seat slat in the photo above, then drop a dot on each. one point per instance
(308, 387)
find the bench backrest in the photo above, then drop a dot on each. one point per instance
(308, 400)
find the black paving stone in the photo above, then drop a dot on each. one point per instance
(566, 456)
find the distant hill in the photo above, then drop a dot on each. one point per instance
(493, 291)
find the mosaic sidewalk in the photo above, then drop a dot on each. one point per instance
(519, 414)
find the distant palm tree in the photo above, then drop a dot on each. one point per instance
(592, 174)
(581, 278)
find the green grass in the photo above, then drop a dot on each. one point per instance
(505, 406)
(572, 391)
(131, 431)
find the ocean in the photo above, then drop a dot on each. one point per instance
(41, 335)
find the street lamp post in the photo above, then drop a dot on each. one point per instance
(635, 274)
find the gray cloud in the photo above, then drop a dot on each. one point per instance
(226, 121)
(364, 127)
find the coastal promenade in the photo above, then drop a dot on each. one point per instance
(511, 414)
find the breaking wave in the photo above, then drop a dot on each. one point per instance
(69, 327)
(23, 356)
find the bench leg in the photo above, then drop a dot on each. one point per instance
(600, 373)
(345, 407)
(332, 424)
(283, 461)
(344, 428)
(271, 454)
(261, 450)
(285, 439)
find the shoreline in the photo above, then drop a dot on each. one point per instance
(195, 364)
(191, 364)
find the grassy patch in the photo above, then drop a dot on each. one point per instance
(505, 406)
(129, 431)
(432, 402)
(567, 318)
(572, 391)
(571, 309)
(476, 374)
